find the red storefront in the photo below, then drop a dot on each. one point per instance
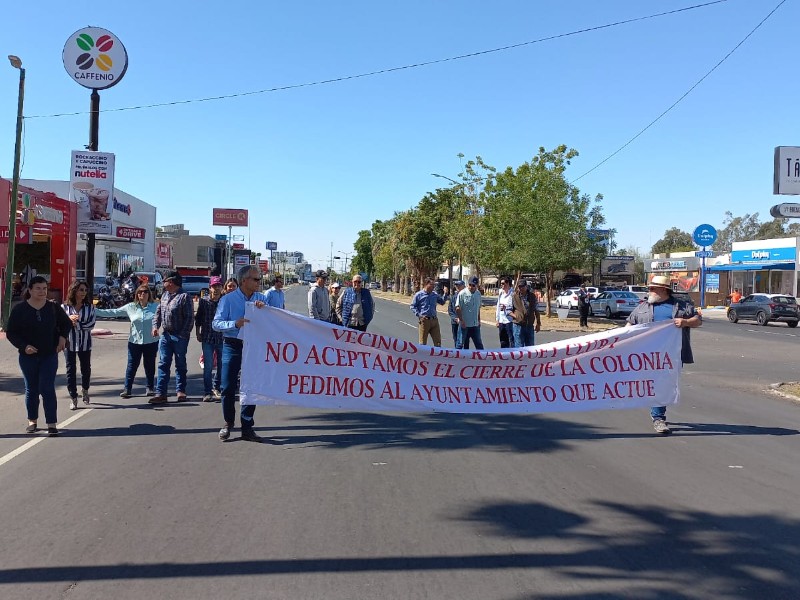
(47, 247)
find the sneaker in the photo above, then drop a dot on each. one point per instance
(31, 428)
(182, 397)
(158, 400)
(660, 425)
(208, 398)
(217, 394)
(151, 392)
(85, 393)
(125, 394)
(225, 432)
(249, 435)
(52, 430)
(73, 405)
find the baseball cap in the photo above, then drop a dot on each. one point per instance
(321, 273)
(460, 282)
(175, 277)
(473, 281)
(215, 281)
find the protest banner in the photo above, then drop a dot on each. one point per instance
(289, 359)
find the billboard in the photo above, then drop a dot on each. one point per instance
(92, 189)
(230, 217)
(618, 265)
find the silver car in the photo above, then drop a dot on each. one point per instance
(613, 304)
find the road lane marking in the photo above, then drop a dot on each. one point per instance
(30, 444)
(410, 325)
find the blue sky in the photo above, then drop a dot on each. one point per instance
(315, 165)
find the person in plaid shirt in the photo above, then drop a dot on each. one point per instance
(176, 316)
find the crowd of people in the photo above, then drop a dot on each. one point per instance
(40, 330)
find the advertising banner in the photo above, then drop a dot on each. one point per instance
(618, 265)
(290, 359)
(163, 254)
(92, 189)
(231, 217)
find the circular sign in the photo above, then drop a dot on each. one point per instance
(704, 235)
(95, 58)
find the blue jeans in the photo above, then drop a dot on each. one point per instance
(506, 332)
(457, 336)
(658, 412)
(523, 336)
(168, 346)
(231, 367)
(473, 333)
(135, 354)
(209, 352)
(39, 373)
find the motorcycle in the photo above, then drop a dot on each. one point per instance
(108, 298)
(128, 289)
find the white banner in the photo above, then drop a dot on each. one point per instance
(291, 359)
(92, 188)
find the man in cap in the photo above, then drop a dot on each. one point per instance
(451, 310)
(502, 314)
(210, 340)
(275, 296)
(176, 315)
(662, 306)
(423, 305)
(468, 309)
(229, 319)
(525, 315)
(333, 295)
(319, 304)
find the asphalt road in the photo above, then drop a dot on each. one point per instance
(134, 501)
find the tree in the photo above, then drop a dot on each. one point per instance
(736, 229)
(674, 240)
(362, 261)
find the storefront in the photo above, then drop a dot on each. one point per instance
(132, 245)
(683, 270)
(764, 266)
(45, 241)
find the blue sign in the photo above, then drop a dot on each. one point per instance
(704, 235)
(757, 255)
(272, 245)
(221, 237)
(704, 253)
(712, 283)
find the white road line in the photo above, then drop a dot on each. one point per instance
(410, 325)
(36, 440)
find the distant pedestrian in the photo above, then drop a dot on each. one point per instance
(451, 311)
(468, 308)
(142, 342)
(80, 311)
(229, 320)
(525, 316)
(423, 305)
(355, 306)
(176, 316)
(583, 306)
(735, 296)
(319, 304)
(275, 295)
(661, 305)
(38, 329)
(210, 340)
(501, 318)
(333, 295)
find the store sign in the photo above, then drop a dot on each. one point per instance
(786, 178)
(22, 235)
(668, 265)
(763, 255)
(230, 217)
(618, 265)
(704, 235)
(163, 254)
(712, 283)
(92, 189)
(132, 233)
(45, 213)
(263, 265)
(95, 58)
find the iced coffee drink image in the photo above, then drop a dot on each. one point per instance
(98, 204)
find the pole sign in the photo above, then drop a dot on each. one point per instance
(92, 189)
(230, 217)
(704, 235)
(788, 210)
(786, 179)
(272, 245)
(95, 58)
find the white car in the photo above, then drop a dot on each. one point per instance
(568, 298)
(639, 290)
(613, 304)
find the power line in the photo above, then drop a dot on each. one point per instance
(689, 91)
(392, 69)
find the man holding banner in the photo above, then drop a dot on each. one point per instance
(662, 306)
(229, 319)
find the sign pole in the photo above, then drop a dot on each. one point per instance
(94, 145)
(703, 279)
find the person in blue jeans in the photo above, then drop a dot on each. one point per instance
(451, 310)
(525, 316)
(229, 320)
(38, 329)
(176, 316)
(210, 340)
(468, 309)
(662, 306)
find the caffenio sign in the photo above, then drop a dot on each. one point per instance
(95, 58)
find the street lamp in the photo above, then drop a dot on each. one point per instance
(346, 256)
(12, 209)
(453, 181)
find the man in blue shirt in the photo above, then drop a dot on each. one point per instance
(229, 319)
(274, 294)
(424, 307)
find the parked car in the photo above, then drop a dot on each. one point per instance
(374, 285)
(196, 285)
(764, 308)
(613, 304)
(568, 298)
(154, 280)
(639, 290)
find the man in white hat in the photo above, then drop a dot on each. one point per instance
(662, 306)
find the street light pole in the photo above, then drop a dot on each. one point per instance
(12, 209)
(346, 256)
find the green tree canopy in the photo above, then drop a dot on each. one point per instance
(674, 240)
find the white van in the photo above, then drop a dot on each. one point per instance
(639, 290)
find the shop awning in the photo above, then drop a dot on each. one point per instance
(753, 267)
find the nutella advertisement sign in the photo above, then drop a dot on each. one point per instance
(92, 189)
(230, 217)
